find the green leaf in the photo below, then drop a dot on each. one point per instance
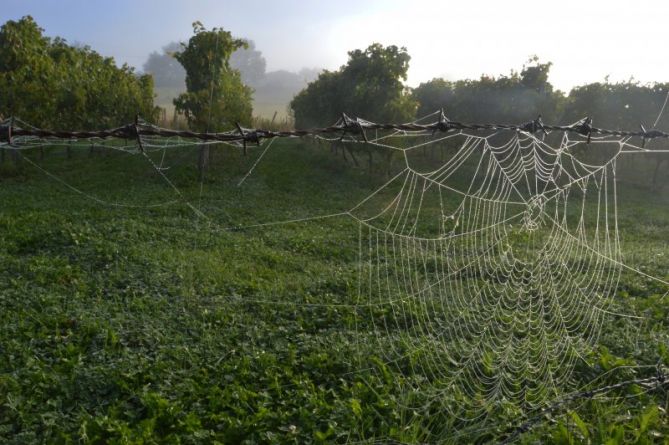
(582, 426)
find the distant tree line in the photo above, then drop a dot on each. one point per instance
(52, 83)
(371, 86)
(515, 98)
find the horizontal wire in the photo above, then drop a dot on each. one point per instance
(9, 129)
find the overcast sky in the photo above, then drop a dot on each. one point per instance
(586, 39)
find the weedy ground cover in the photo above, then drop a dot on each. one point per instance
(151, 324)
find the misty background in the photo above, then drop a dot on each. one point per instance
(273, 90)
(293, 39)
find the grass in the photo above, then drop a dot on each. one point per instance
(153, 325)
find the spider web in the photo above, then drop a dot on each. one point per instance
(492, 274)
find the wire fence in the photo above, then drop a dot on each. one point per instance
(345, 125)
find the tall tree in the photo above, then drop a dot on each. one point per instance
(216, 99)
(370, 86)
(27, 73)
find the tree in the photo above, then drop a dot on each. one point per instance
(515, 98)
(93, 92)
(370, 85)
(434, 95)
(53, 84)
(216, 99)
(167, 72)
(27, 73)
(535, 75)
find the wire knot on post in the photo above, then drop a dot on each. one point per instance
(6, 131)
(584, 127)
(248, 136)
(137, 133)
(444, 125)
(650, 134)
(534, 126)
(661, 376)
(253, 136)
(353, 126)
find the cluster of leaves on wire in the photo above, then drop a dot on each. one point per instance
(52, 84)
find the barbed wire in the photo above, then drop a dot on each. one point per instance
(345, 125)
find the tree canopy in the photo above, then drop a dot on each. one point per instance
(167, 72)
(515, 98)
(50, 83)
(216, 98)
(370, 85)
(622, 105)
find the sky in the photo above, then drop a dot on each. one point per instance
(586, 40)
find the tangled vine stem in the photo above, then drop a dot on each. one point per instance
(346, 125)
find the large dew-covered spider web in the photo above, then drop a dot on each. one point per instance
(488, 276)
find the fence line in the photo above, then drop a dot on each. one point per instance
(345, 125)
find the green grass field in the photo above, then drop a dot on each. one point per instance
(150, 324)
